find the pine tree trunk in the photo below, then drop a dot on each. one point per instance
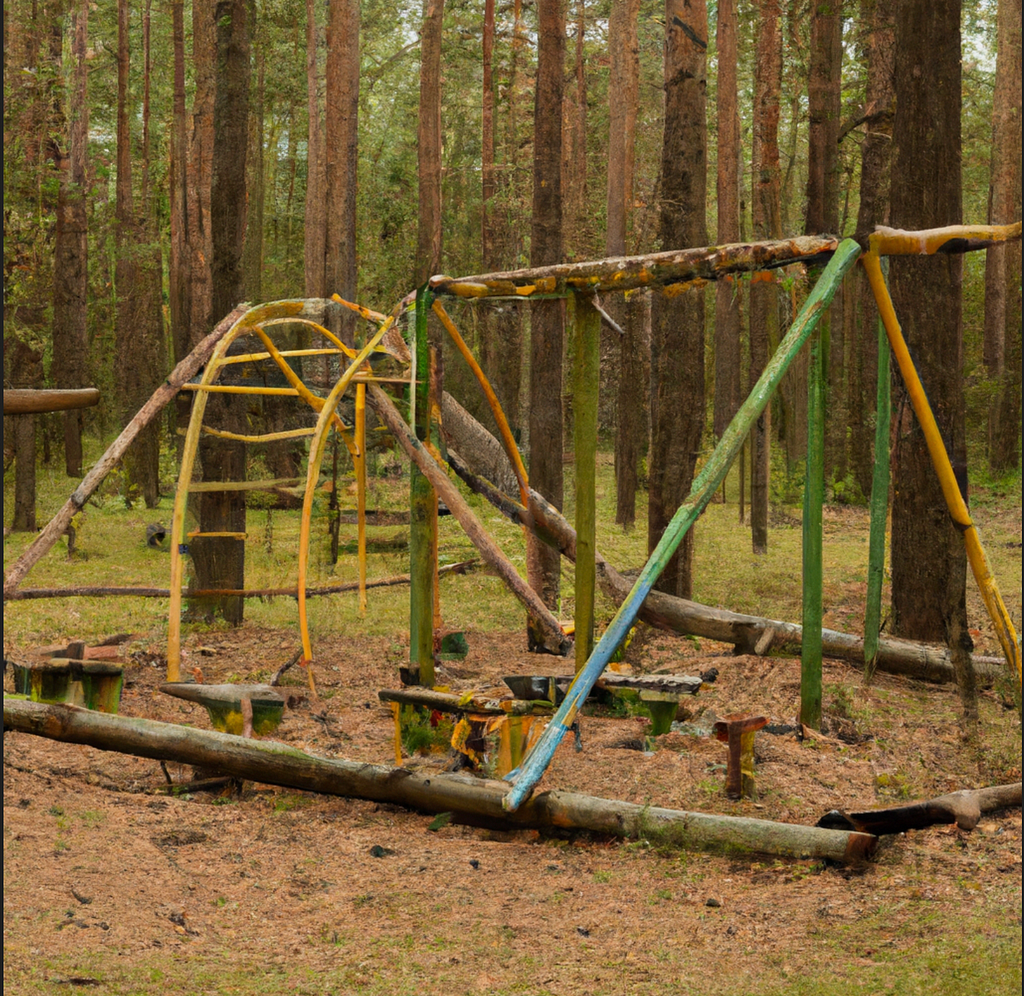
(929, 561)
(677, 320)
(180, 263)
(220, 561)
(727, 291)
(627, 382)
(341, 154)
(547, 318)
(70, 250)
(316, 218)
(767, 223)
(876, 21)
(428, 144)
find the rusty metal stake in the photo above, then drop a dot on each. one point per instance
(738, 730)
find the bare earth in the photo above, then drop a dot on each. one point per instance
(111, 884)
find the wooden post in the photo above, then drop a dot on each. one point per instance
(704, 487)
(814, 493)
(585, 399)
(422, 509)
(879, 505)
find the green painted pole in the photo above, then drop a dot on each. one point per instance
(422, 508)
(879, 504)
(525, 777)
(585, 399)
(814, 496)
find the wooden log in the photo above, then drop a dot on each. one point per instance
(555, 639)
(27, 401)
(964, 808)
(98, 591)
(676, 266)
(181, 374)
(748, 634)
(473, 799)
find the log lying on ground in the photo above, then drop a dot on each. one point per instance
(474, 800)
(964, 808)
(555, 641)
(26, 401)
(748, 634)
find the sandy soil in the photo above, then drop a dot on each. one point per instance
(112, 883)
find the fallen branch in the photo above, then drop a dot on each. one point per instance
(475, 800)
(26, 401)
(964, 808)
(138, 592)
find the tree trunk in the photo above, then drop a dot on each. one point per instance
(929, 562)
(767, 222)
(677, 319)
(824, 106)
(428, 144)
(574, 148)
(727, 292)
(547, 318)
(70, 250)
(220, 560)
(26, 370)
(1004, 439)
(627, 381)
(316, 218)
(252, 255)
(1006, 103)
(876, 20)
(179, 279)
(341, 155)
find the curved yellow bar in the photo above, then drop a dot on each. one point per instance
(940, 460)
(316, 456)
(492, 399)
(896, 242)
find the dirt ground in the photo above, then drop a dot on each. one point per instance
(113, 884)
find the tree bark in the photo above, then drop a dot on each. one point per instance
(929, 562)
(428, 144)
(472, 798)
(1006, 109)
(315, 217)
(767, 222)
(219, 561)
(547, 318)
(876, 21)
(728, 366)
(677, 319)
(627, 382)
(341, 155)
(179, 269)
(1004, 445)
(70, 250)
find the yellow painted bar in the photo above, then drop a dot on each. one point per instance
(316, 455)
(940, 460)
(273, 311)
(266, 437)
(288, 392)
(492, 399)
(360, 468)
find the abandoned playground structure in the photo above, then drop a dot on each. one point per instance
(526, 729)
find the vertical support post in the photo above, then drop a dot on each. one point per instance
(585, 399)
(814, 495)
(422, 509)
(879, 503)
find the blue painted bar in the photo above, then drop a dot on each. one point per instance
(524, 778)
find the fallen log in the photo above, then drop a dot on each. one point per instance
(473, 799)
(964, 808)
(100, 591)
(28, 401)
(747, 634)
